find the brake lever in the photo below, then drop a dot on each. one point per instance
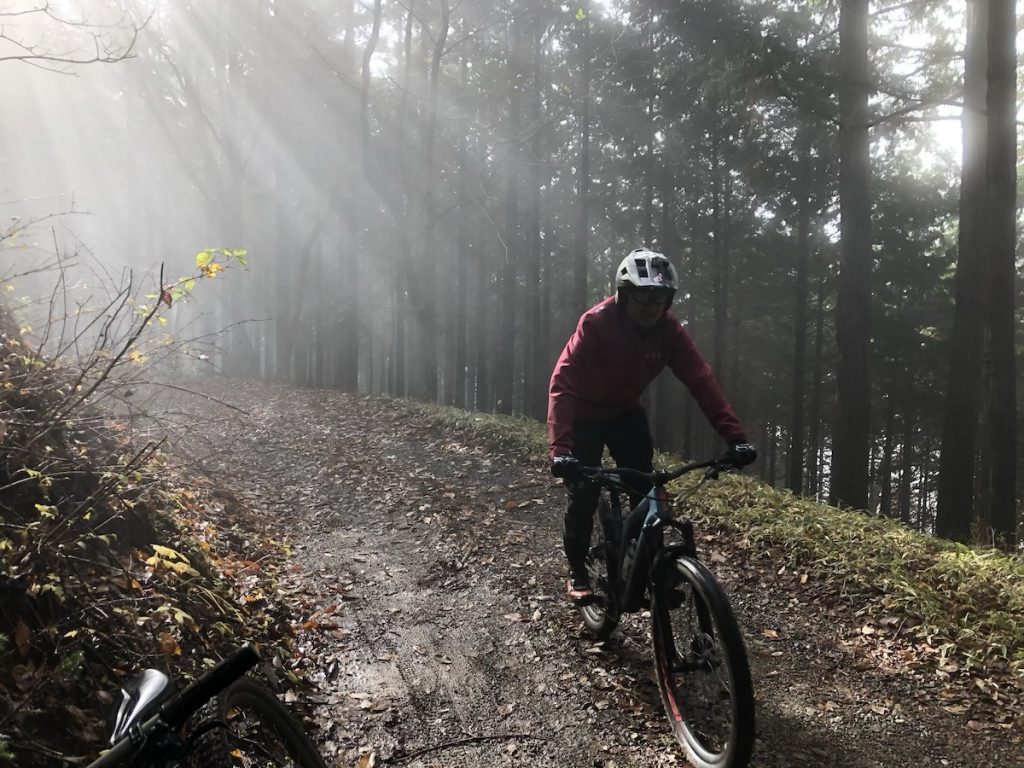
(715, 470)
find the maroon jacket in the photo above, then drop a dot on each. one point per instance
(608, 363)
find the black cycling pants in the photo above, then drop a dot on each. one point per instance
(629, 441)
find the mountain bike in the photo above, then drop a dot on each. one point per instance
(221, 720)
(648, 559)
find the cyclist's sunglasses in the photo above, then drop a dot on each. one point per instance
(650, 296)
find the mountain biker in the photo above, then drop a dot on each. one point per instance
(619, 346)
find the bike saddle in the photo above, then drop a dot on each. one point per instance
(141, 698)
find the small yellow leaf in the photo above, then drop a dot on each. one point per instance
(167, 553)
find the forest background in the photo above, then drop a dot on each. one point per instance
(429, 194)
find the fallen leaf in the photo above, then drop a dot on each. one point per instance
(23, 637)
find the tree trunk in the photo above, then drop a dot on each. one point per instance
(427, 279)
(795, 481)
(960, 422)
(482, 399)
(923, 489)
(581, 248)
(667, 427)
(814, 433)
(462, 262)
(884, 477)
(1002, 199)
(399, 381)
(504, 375)
(719, 291)
(906, 465)
(536, 358)
(851, 444)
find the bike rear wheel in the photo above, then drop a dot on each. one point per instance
(601, 615)
(247, 727)
(702, 666)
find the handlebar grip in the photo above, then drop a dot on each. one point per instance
(181, 707)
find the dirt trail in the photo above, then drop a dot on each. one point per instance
(431, 568)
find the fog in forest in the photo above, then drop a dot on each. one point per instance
(420, 198)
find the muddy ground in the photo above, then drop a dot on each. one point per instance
(428, 567)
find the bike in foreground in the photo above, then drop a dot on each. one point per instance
(222, 720)
(648, 558)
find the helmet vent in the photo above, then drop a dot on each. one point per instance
(641, 268)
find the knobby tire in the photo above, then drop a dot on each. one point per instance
(251, 729)
(602, 615)
(702, 668)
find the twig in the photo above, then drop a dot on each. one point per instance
(186, 390)
(463, 742)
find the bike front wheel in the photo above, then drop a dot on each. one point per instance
(601, 615)
(702, 666)
(247, 727)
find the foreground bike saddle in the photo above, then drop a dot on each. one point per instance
(141, 696)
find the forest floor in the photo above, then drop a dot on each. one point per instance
(429, 569)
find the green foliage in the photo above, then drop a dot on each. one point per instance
(964, 602)
(71, 663)
(510, 432)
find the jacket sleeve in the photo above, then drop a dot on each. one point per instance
(566, 380)
(690, 368)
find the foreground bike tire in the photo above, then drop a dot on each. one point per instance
(702, 667)
(602, 614)
(247, 727)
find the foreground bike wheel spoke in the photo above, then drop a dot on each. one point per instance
(702, 667)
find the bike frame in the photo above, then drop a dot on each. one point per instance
(631, 581)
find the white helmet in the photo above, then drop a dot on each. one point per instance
(643, 268)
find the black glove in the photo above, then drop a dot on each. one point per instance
(565, 467)
(741, 453)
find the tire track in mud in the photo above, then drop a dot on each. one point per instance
(453, 625)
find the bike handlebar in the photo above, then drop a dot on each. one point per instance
(615, 475)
